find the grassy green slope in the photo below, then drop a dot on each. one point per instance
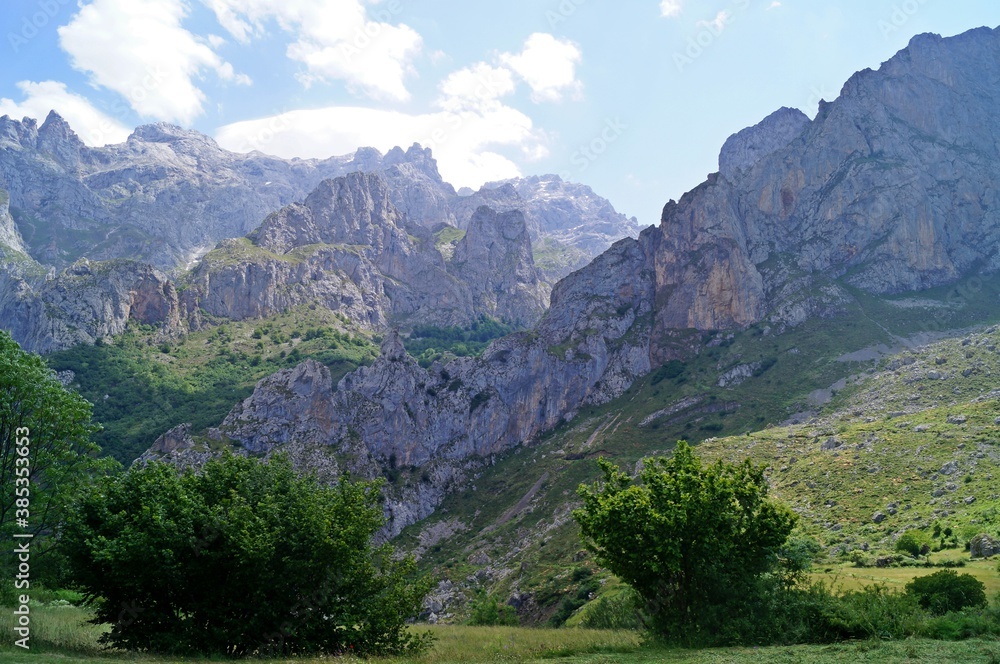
(142, 385)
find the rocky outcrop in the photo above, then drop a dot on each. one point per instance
(348, 248)
(591, 345)
(85, 302)
(568, 223)
(494, 258)
(892, 188)
(747, 147)
(984, 546)
(10, 238)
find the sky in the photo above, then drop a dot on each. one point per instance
(633, 97)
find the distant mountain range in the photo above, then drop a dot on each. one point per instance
(143, 213)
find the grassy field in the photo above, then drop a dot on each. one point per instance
(847, 577)
(59, 637)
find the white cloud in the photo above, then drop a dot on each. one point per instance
(548, 65)
(334, 39)
(717, 24)
(92, 126)
(463, 141)
(669, 8)
(139, 49)
(477, 87)
(774, 5)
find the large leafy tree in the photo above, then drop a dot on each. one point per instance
(53, 426)
(241, 558)
(698, 543)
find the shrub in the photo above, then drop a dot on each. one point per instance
(614, 610)
(946, 591)
(913, 542)
(488, 610)
(699, 543)
(245, 558)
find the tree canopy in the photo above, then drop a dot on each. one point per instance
(242, 558)
(694, 541)
(52, 425)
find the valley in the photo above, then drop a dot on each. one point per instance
(825, 305)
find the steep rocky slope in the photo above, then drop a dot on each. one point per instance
(349, 249)
(892, 188)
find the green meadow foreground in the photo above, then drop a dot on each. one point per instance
(59, 635)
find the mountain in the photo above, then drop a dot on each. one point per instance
(167, 195)
(348, 248)
(802, 245)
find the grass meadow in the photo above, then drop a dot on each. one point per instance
(60, 635)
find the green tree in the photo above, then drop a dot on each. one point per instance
(46, 454)
(946, 590)
(913, 542)
(696, 542)
(242, 558)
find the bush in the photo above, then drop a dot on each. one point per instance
(914, 543)
(699, 543)
(245, 558)
(487, 610)
(946, 591)
(614, 610)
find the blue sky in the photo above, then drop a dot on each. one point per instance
(633, 98)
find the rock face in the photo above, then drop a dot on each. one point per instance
(568, 223)
(745, 148)
(892, 188)
(591, 345)
(495, 260)
(85, 302)
(984, 546)
(348, 248)
(167, 194)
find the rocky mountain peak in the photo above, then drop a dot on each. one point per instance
(164, 132)
(415, 158)
(57, 138)
(745, 148)
(495, 259)
(353, 209)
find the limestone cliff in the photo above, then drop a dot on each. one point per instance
(449, 420)
(83, 303)
(348, 248)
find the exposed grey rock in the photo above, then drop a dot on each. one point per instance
(494, 259)
(85, 302)
(878, 517)
(984, 546)
(745, 148)
(737, 375)
(349, 248)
